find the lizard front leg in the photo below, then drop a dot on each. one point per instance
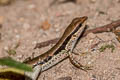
(77, 63)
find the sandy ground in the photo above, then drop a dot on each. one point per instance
(27, 22)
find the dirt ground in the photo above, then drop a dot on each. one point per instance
(28, 22)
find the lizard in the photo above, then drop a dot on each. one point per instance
(64, 47)
(68, 37)
(66, 52)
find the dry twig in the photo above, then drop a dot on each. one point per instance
(105, 28)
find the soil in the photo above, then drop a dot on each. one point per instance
(24, 23)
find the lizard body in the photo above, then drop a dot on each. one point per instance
(62, 49)
(65, 41)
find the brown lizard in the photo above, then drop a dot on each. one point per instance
(62, 44)
(63, 48)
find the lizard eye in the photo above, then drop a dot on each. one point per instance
(80, 25)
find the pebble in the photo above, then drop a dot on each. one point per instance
(26, 26)
(32, 6)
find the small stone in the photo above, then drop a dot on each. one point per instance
(34, 42)
(26, 26)
(17, 36)
(19, 57)
(32, 6)
(21, 19)
(5, 48)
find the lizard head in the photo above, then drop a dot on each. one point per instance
(76, 24)
(79, 21)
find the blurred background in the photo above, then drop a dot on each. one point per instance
(23, 23)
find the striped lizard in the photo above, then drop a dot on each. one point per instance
(63, 48)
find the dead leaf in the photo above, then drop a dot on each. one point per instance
(5, 2)
(45, 25)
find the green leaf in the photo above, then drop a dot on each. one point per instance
(104, 47)
(15, 64)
